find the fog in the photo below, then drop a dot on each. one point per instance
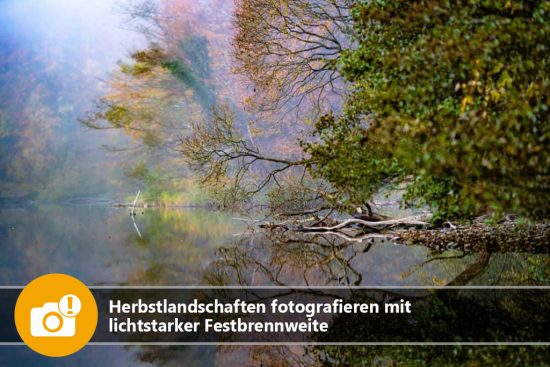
(54, 57)
(73, 29)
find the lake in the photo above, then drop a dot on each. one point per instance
(100, 245)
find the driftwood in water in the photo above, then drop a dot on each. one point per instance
(322, 226)
(479, 237)
(408, 222)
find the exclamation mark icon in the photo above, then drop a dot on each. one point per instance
(70, 305)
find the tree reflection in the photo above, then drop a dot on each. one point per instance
(287, 260)
(291, 259)
(302, 259)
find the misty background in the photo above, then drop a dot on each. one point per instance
(54, 59)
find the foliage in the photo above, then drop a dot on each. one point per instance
(146, 96)
(157, 94)
(450, 98)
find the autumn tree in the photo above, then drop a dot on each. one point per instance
(165, 94)
(288, 49)
(158, 93)
(287, 52)
(173, 80)
(450, 101)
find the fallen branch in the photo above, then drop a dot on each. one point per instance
(357, 238)
(134, 205)
(508, 236)
(409, 221)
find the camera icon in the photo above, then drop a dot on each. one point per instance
(56, 319)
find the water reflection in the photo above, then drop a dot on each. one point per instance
(99, 245)
(293, 259)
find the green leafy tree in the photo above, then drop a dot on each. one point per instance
(450, 100)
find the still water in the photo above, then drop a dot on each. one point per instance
(100, 245)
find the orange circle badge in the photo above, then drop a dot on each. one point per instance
(56, 315)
